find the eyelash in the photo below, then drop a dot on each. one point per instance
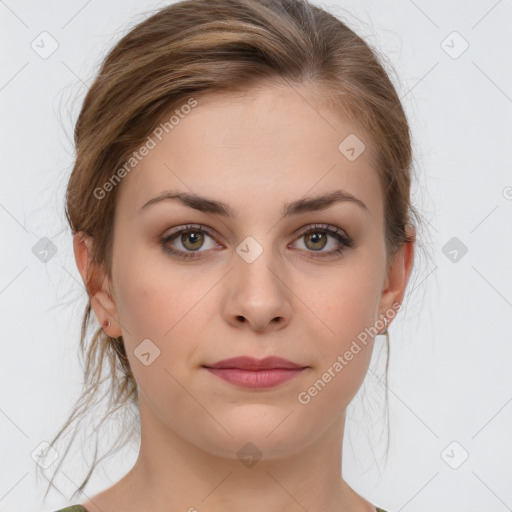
(343, 239)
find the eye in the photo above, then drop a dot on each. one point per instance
(192, 239)
(316, 238)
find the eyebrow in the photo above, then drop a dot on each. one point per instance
(307, 204)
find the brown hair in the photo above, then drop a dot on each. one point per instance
(200, 46)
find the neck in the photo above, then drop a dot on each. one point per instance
(173, 474)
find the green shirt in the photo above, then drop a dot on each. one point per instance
(79, 508)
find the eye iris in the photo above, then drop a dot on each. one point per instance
(314, 237)
(194, 236)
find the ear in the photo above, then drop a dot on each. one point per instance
(97, 284)
(398, 275)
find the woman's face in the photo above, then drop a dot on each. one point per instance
(254, 283)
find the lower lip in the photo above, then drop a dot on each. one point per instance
(256, 379)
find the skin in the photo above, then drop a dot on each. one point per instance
(254, 152)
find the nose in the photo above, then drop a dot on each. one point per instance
(257, 294)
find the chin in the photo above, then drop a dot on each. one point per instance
(260, 434)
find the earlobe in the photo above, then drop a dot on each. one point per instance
(96, 284)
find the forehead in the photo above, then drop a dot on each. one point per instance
(269, 145)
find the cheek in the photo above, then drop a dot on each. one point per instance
(344, 304)
(154, 297)
(166, 306)
(157, 316)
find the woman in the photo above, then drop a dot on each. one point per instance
(242, 222)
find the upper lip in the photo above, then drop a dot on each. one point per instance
(251, 363)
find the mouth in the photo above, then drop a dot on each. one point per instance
(256, 379)
(249, 372)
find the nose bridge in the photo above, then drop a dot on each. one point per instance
(257, 262)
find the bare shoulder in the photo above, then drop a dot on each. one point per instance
(95, 504)
(106, 501)
(120, 496)
(109, 500)
(356, 502)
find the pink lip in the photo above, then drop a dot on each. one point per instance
(251, 363)
(255, 373)
(256, 379)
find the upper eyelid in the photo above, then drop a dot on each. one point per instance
(197, 227)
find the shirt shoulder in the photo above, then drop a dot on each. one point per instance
(380, 509)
